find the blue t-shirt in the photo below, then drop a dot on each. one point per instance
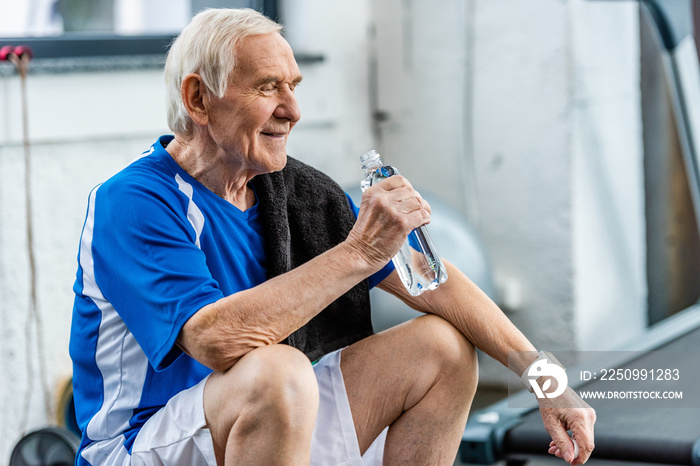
(156, 247)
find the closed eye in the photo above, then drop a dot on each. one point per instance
(270, 85)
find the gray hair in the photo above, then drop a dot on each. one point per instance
(206, 47)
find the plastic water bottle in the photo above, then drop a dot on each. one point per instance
(420, 269)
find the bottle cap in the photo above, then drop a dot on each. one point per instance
(370, 158)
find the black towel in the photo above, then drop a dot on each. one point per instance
(306, 213)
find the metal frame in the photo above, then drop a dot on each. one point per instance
(674, 22)
(482, 441)
(93, 45)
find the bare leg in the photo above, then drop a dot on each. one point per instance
(262, 411)
(419, 378)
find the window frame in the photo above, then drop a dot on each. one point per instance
(79, 45)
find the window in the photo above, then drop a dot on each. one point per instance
(82, 28)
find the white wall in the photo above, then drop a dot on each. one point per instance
(424, 79)
(83, 128)
(335, 127)
(500, 108)
(608, 176)
(522, 130)
(523, 116)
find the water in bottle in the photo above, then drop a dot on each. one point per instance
(417, 262)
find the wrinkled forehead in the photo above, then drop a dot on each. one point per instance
(265, 54)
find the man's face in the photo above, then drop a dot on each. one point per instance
(253, 119)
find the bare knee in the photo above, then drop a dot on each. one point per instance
(273, 385)
(280, 375)
(449, 349)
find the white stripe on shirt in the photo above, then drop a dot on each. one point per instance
(119, 358)
(194, 215)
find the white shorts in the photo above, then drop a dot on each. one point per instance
(177, 434)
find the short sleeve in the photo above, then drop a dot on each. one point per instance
(147, 263)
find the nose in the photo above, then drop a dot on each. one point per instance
(288, 108)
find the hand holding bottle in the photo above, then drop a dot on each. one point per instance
(388, 213)
(417, 261)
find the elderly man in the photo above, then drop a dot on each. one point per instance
(204, 256)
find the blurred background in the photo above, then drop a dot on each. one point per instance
(542, 130)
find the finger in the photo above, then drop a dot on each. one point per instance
(406, 200)
(412, 198)
(402, 193)
(563, 442)
(584, 440)
(395, 193)
(418, 218)
(397, 185)
(394, 182)
(412, 203)
(401, 200)
(424, 204)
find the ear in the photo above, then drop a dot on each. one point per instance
(195, 98)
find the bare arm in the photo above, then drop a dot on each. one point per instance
(220, 333)
(472, 312)
(464, 305)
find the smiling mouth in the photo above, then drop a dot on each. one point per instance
(273, 134)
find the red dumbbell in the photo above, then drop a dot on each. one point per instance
(6, 51)
(21, 51)
(24, 51)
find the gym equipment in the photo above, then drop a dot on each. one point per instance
(653, 435)
(650, 435)
(50, 446)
